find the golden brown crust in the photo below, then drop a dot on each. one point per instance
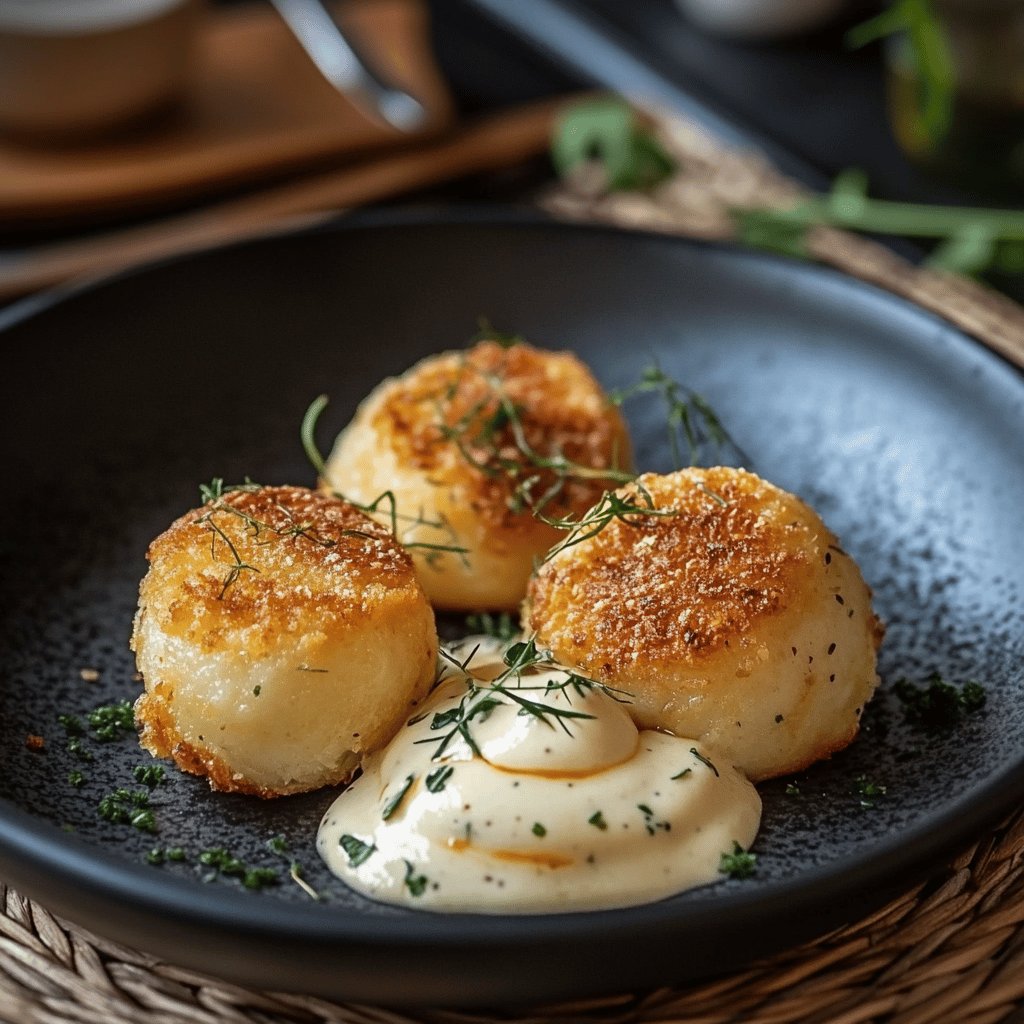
(679, 586)
(561, 408)
(270, 561)
(240, 594)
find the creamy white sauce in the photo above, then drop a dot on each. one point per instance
(552, 812)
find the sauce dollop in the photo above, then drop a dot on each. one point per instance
(534, 794)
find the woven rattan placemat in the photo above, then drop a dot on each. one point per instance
(951, 950)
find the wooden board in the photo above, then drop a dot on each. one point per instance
(256, 109)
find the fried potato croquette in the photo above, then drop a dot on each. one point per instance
(737, 620)
(469, 442)
(282, 635)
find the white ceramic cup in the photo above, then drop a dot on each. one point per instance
(79, 67)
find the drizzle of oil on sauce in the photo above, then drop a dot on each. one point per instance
(561, 806)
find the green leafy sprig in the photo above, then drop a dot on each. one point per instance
(491, 437)
(481, 698)
(385, 504)
(609, 131)
(627, 509)
(972, 239)
(930, 57)
(689, 417)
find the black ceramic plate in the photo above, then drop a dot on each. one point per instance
(120, 399)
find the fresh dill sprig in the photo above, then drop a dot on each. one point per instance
(216, 489)
(385, 504)
(239, 565)
(491, 437)
(689, 418)
(629, 510)
(215, 496)
(481, 698)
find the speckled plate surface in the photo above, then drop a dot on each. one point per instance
(121, 398)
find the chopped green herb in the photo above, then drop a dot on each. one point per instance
(256, 690)
(792, 789)
(110, 721)
(703, 760)
(278, 844)
(738, 864)
(416, 884)
(438, 778)
(682, 774)
(539, 830)
(76, 778)
(257, 878)
(650, 823)
(356, 850)
(972, 696)
(151, 775)
(395, 802)
(939, 706)
(869, 791)
(127, 807)
(221, 860)
(72, 725)
(597, 820)
(159, 855)
(76, 749)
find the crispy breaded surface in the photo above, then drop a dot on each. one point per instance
(737, 620)
(281, 634)
(440, 439)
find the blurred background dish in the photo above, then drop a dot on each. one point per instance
(759, 19)
(86, 67)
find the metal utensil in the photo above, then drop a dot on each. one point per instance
(340, 62)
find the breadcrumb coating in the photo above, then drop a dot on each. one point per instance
(441, 438)
(738, 619)
(281, 633)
